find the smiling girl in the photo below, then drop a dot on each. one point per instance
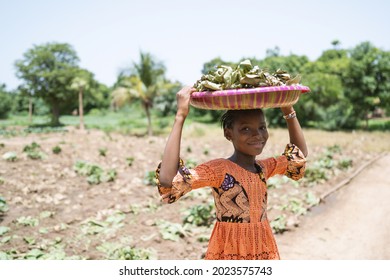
(242, 229)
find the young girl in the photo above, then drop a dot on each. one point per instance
(242, 230)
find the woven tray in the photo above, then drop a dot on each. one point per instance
(252, 98)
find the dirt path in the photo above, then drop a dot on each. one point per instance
(353, 223)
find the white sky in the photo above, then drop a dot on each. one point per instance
(108, 35)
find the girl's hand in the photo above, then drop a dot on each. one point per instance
(183, 101)
(287, 110)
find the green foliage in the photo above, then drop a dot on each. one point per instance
(56, 150)
(47, 71)
(3, 230)
(144, 82)
(3, 205)
(311, 199)
(103, 152)
(33, 151)
(344, 163)
(368, 79)
(27, 221)
(95, 174)
(326, 165)
(279, 224)
(346, 86)
(6, 102)
(191, 163)
(129, 161)
(115, 251)
(172, 231)
(296, 206)
(200, 215)
(107, 226)
(10, 156)
(150, 178)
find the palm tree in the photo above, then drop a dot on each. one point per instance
(143, 83)
(80, 84)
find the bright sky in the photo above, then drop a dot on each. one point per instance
(108, 35)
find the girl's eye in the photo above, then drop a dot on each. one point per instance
(263, 128)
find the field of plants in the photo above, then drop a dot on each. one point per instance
(71, 194)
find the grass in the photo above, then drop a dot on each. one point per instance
(133, 121)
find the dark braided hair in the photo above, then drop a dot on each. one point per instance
(228, 118)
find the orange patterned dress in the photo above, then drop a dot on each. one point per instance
(242, 230)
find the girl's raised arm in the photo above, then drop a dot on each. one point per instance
(170, 160)
(294, 129)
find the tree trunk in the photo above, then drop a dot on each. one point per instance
(147, 110)
(81, 110)
(55, 114)
(30, 109)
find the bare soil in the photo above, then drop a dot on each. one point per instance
(80, 218)
(352, 223)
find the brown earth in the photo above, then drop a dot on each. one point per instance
(75, 219)
(352, 223)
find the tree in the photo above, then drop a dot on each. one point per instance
(47, 71)
(80, 83)
(368, 80)
(5, 103)
(142, 82)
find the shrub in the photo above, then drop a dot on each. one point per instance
(56, 150)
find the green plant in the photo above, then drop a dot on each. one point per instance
(103, 152)
(200, 215)
(33, 151)
(344, 163)
(191, 163)
(27, 221)
(10, 156)
(279, 224)
(130, 161)
(95, 174)
(56, 150)
(150, 178)
(3, 205)
(296, 207)
(33, 146)
(115, 251)
(109, 225)
(311, 199)
(4, 230)
(172, 231)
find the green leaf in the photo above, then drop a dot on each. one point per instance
(29, 240)
(34, 254)
(6, 239)
(10, 156)
(5, 256)
(4, 230)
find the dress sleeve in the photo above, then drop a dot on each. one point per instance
(291, 163)
(188, 179)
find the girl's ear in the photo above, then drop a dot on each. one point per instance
(227, 132)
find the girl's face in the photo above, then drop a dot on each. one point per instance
(248, 133)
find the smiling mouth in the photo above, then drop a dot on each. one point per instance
(257, 144)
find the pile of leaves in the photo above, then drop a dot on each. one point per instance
(243, 76)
